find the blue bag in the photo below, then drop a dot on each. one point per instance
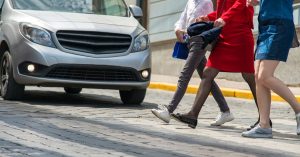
(181, 50)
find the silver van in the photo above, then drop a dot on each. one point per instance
(73, 44)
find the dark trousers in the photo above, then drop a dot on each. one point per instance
(196, 60)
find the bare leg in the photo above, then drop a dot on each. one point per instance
(266, 82)
(250, 79)
(208, 76)
(263, 97)
(215, 90)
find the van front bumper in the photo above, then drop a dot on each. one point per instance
(57, 68)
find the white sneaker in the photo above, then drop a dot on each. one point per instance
(298, 123)
(258, 132)
(162, 113)
(222, 118)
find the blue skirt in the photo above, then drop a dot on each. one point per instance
(274, 40)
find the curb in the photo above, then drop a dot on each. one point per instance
(227, 92)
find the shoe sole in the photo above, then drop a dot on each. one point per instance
(229, 120)
(160, 118)
(189, 125)
(192, 126)
(271, 136)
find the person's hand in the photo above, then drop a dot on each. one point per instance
(202, 19)
(219, 23)
(253, 2)
(179, 35)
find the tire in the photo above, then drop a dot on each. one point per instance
(133, 97)
(10, 89)
(73, 90)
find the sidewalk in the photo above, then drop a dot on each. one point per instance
(229, 88)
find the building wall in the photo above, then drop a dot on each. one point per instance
(162, 16)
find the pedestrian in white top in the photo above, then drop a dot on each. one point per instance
(196, 60)
(193, 10)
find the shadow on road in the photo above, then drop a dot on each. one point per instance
(36, 97)
(277, 135)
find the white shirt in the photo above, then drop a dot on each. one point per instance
(193, 9)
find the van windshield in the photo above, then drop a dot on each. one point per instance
(102, 7)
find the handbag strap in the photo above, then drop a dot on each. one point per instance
(193, 11)
(222, 8)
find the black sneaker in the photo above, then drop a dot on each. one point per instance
(181, 118)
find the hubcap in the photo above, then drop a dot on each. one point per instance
(4, 75)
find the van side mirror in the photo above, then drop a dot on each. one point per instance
(136, 11)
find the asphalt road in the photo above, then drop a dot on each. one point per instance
(95, 123)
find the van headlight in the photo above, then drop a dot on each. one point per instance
(141, 42)
(37, 35)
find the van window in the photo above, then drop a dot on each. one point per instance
(103, 7)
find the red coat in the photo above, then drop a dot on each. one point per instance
(235, 50)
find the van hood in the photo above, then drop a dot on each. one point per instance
(49, 17)
(55, 21)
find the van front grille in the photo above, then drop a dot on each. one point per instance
(94, 42)
(92, 74)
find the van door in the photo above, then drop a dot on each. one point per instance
(1, 5)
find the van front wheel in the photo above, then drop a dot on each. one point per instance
(133, 97)
(10, 89)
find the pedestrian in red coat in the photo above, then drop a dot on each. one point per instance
(234, 51)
